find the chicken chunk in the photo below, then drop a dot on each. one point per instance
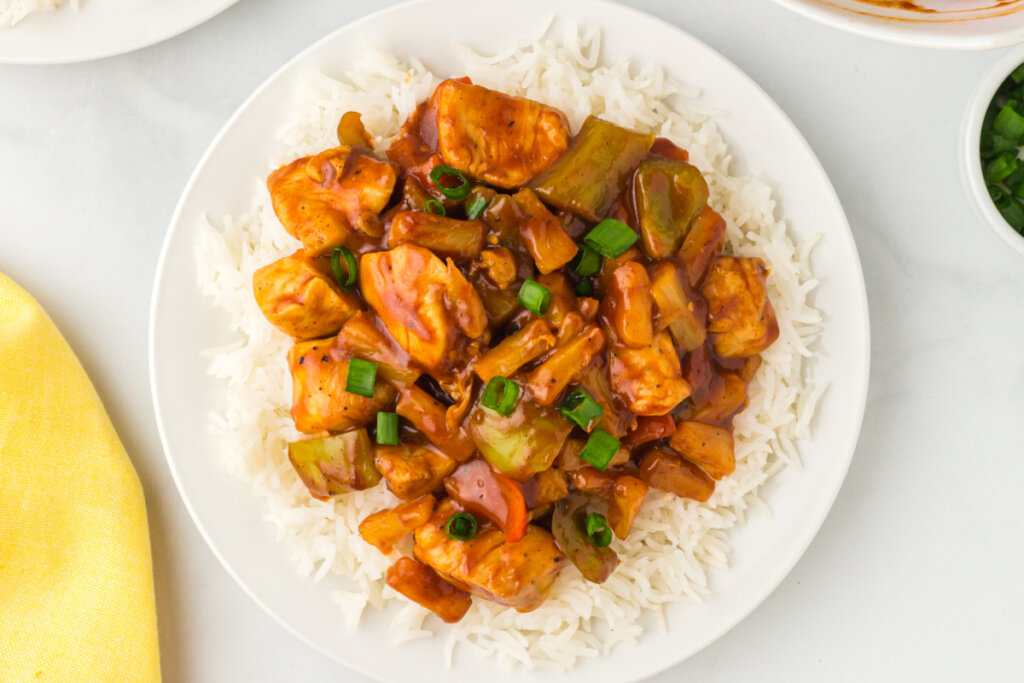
(518, 575)
(422, 585)
(648, 381)
(500, 266)
(322, 199)
(497, 138)
(415, 146)
(741, 319)
(428, 306)
(319, 370)
(412, 470)
(709, 446)
(667, 471)
(301, 299)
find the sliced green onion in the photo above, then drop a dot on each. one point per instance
(1009, 124)
(462, 526)
(1013, 213)
(600, 449)
(611, 238)
(1011, 210)
(345, 281)
(586, 262)
(994, 145)
(362, 375)
(1000, 167)
(580, 409)
(433, 206)
(458, 192)
(584, 288)
(998, 196)
(535, 297)
(501, 395)
(475, 207)
(598, 530)
(387, 429)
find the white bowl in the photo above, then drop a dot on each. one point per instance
(951, 24)
(970, 155)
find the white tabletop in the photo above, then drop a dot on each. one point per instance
(918, 573)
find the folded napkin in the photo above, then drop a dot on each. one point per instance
(76, 579)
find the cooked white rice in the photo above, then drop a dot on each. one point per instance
(13, 11)
(674, 541)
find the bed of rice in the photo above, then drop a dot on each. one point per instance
(13, 11)
(674, 542)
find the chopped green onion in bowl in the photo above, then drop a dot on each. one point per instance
(1002, 136)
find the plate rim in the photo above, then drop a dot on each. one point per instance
(823, 503)
(904, 33)
(212, 9)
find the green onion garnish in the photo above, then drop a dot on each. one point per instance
(1009, 124)
(387, 429)
(345, 281)
(535, 297)
(583, 288)
(611, 238)
(1000, 167)
(1011, 209)
(458, 192)
(600, 449)
(475, 207)
(501, 395)
(1018, 74)
(362, 375)
(586, 262)
(580, 409)
(433, 206)
(462, 526)
(598, 531)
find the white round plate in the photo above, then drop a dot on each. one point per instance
(183, 324)
(951, 24)
(101, 28)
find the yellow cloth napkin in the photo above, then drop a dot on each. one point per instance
(76, 579)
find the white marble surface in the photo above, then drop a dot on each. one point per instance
(918, 573)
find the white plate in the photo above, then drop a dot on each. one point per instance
(101, 28)
(183, 324)
(953, 24)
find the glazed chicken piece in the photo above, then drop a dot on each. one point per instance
(496, 138)
(706, 445)
(412, 470)
(519, 575)
(322, 199)
(300, 298)
(427, 305)
(319, 369)
(741, 319)
(649, 380)
(662, 469)
(424, 586)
